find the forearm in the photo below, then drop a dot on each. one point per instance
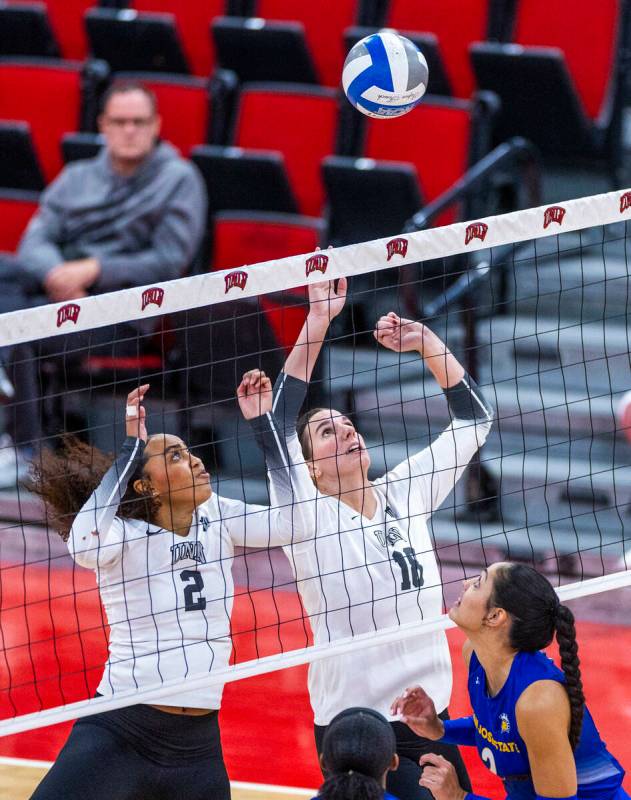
(466, 401)
(37, 254)
(440, 361)
(88, 542)
(459, 731)
(302, 359)
(122, 270)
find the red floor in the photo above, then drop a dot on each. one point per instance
(266, 721)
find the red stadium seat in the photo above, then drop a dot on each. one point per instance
(436, 138)
(588, 41)
(248, 238)
(16, 210)
(301, 123)
(179, 98)
(568, 72)
(456, 23)
(413, 160)
(192, 18)
(47, 95)
(66, 19)
(324, 25)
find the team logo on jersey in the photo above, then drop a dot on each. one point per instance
(153, 296)
(389, 537)
(504, 723)
(553, 214)
(390, 513)
(397, 247)
(205, 523)
(237, 278)
(186, 551)
(68, 313)
(625, 201)
(318, 262)
(477, 230)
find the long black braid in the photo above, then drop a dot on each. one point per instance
(537, 614)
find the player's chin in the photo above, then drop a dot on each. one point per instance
(454, 612)
(202, 490)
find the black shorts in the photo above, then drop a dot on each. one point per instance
(136, 753)
(403, 783)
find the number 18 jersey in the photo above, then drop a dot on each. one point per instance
(358, 575)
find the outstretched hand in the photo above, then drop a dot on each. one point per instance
(135, 414)
(441, 778)
(399, 334)
(417, 710)
(326, 299)
(254, 394)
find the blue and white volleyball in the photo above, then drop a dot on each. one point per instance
(385, 75)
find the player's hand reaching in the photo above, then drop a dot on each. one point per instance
(326, 299)
(255, 394)
(417, 710)
(440, 777)
(135, 414)
(399, 334)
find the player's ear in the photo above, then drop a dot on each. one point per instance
(496, 617)
(394, 764)
(143, 487)
(313, 471)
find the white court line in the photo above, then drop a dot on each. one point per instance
(6, 761)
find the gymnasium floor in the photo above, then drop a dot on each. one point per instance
(266, 721)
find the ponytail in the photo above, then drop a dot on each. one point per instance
(537, 615)
(65, 479)
(351, 785)
(570, 664)
(357, 751)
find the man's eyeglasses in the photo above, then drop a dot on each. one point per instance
(137, 122)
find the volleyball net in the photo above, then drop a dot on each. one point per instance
(532, 303)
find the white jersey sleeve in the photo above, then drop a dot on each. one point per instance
(251, 525)
(434, 471)
(97, 534)
(292, 490)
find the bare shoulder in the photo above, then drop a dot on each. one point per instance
(546, 701)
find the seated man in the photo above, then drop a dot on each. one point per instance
(133, 215)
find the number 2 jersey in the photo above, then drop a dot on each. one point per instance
(167, 597)
(504, 752)
(357, 575)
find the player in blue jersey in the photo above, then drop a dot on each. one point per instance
(530, 722)
(358, 752)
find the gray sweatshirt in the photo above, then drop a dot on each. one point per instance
(143, 229)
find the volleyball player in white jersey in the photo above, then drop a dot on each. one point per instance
(361, 550)
(161, 544)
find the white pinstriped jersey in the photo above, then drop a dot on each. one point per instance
(168, 598)
(357, 575)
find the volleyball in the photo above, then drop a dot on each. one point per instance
(385, 75)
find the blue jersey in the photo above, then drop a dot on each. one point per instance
(503, 750)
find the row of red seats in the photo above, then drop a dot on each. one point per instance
(440, 139)
(588, 40)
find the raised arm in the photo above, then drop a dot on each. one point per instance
(438, 467)
(326, 300)
(96, 536)
(273, 416)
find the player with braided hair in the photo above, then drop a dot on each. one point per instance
(358, 752)
(530, 722)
